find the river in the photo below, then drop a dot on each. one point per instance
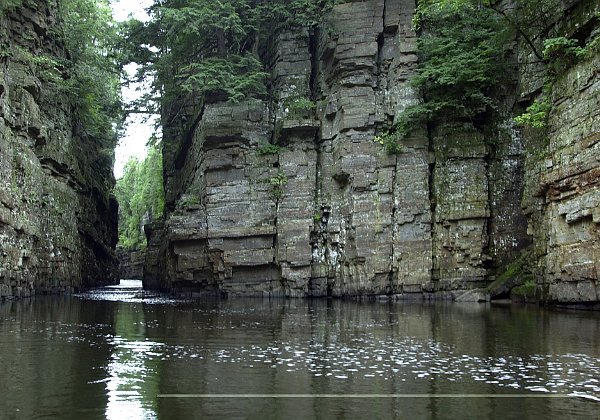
(121, 353)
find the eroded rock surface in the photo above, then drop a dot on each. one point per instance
(57, 218)
(270, 198)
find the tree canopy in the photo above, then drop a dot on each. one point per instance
(141, 198)
(463, 46)
(201, 47)
(93, 66)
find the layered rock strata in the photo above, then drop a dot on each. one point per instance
(57, 217)
(562, 192)
(281, 198)
(131, 263)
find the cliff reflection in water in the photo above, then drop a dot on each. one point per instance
(119, 353)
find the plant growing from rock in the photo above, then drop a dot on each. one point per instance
(559, 54)
(277, 182)
(299, 107)
(195, 49)
(390, 140)
(266, 149)
(462, 47)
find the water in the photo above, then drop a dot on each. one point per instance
(123, 353)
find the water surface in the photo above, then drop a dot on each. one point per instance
(123, 353)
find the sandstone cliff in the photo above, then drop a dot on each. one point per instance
(281, 198)
(57, 217)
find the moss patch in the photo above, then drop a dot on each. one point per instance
(515, 269)
(526, 290)
(525, 293)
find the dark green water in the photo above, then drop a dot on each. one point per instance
(115, 354)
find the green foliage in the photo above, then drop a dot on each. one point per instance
(188, 200)
(516, 268)
(47, 68)
(7, 5)
(88, 74)
(391, 138)
(211, 48)
(265, 149)
(461, 54)
(461, 50)
(93, 73)
(239, 76)
(560, 54)
(277, 183)
(536, 114)
(141, 199)
(299, 107)
(527, 289)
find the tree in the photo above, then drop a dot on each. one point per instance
(93, 67)
(200, 48)
(141, 198)
(462, 49)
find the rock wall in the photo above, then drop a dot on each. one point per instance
(131, 263)
(57, 218)
(562, 192)
(277, 198)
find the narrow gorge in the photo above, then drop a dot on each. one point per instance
(293, 193)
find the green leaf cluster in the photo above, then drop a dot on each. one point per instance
(277, 182)
(460, 51)
(299, 106)
(266, 149)
(197, 49)
(237, 77)
(391, 139)
(93, 67)
(536, 114)
(559, 53)
(141, 198)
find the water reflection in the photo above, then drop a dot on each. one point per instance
(131, 385)
(123, 353)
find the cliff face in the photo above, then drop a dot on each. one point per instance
(57, 219)
(562, 173)
(280, 198)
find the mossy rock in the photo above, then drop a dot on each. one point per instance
(513, 275)
(525, 293)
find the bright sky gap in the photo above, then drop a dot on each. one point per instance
(137, 132)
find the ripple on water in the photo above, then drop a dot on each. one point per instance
(128, 291)
(366, 356)
(403, 359)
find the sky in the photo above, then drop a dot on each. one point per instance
(137, 133)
